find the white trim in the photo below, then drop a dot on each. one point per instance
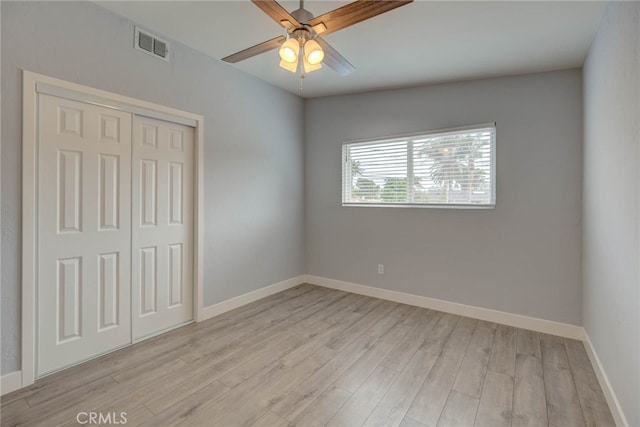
(517, 320)
(401, 136)
(198, 223)
(14, 380)
(239, 301)
(29, 225)
(10, 382)
(605, 385)
(86, 98)
(31, 81)
(109, 97)
(418, 205)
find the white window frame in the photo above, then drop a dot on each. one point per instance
(409, 138)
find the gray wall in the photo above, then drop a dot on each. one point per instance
(253, 155)
(611, 239)
(521, 257)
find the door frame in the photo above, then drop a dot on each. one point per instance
(33, 84)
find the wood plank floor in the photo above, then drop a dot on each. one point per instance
(311, 356)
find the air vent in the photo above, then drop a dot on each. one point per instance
(145, 41)
(151, 45)
(159, 48)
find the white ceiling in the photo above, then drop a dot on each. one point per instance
(419, 43)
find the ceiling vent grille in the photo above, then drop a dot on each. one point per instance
(151, 45)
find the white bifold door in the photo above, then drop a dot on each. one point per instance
(162, 265)
(84, 231)
(115, 231)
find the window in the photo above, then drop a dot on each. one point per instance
(452, 168)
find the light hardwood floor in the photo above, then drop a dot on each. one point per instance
(311, 356)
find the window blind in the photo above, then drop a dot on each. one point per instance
(440, 168)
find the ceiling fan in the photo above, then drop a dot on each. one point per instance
(304, 30)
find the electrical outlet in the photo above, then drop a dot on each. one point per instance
(380, 268)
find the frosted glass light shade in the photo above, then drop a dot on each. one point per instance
(289, 66)
(289, 51)
(308, 67)
(313, 53)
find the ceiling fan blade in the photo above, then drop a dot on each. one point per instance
(255, 50)
(277, 12)
(353, 13)
(334, 60)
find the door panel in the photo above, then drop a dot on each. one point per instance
(162, 229)
(84, 232)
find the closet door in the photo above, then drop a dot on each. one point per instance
(162, 230)
(84, 232)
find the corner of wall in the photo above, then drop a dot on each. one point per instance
(605, 385)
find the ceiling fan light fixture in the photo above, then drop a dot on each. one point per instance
(305, 30)
(313, 53)
(289, 51)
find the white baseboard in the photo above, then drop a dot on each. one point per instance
(13, 381)
(230, 304)
(605, 385)
(10, 382)
(517, 320)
